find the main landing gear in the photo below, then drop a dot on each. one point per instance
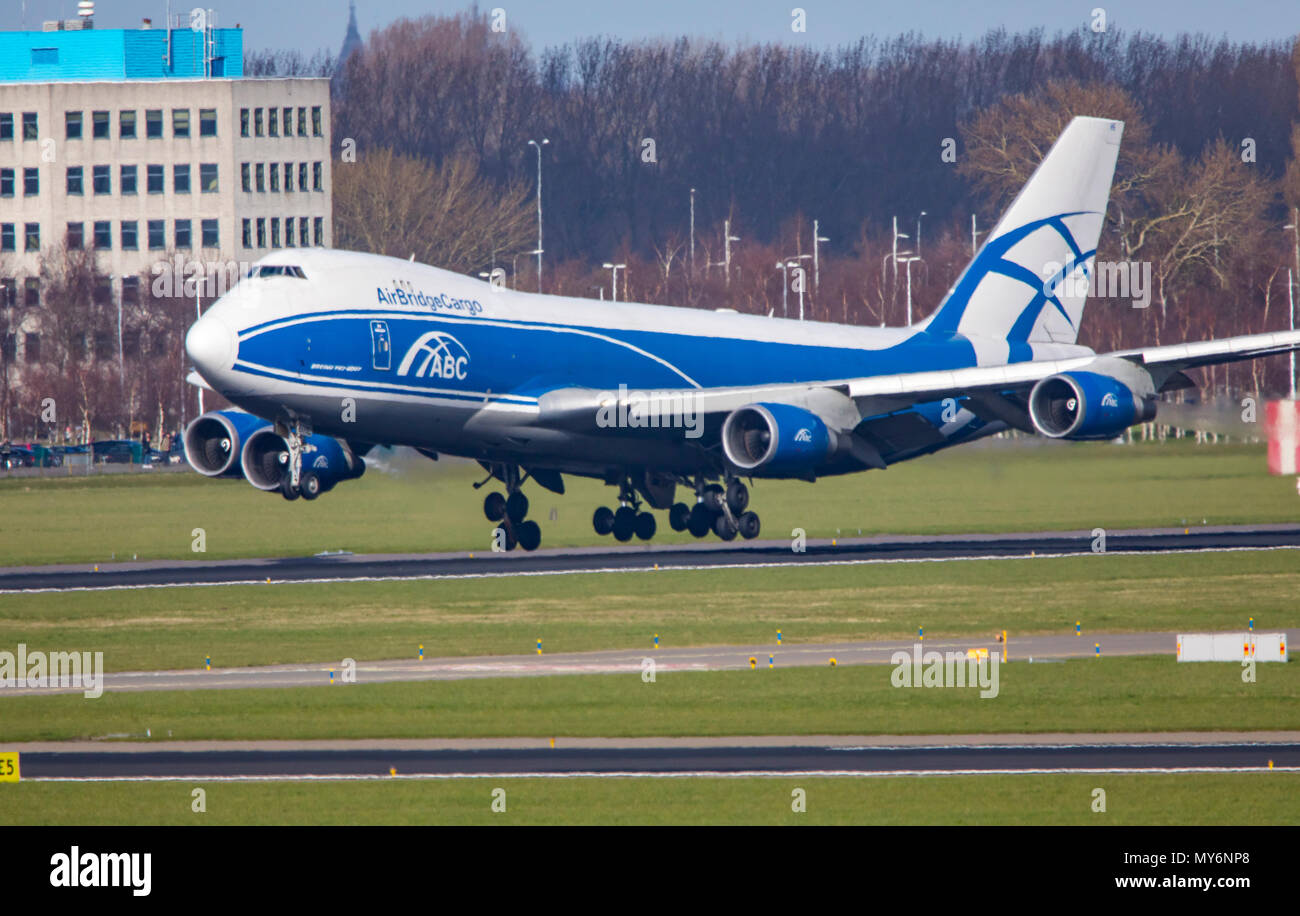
(510, 510)
(721, 510)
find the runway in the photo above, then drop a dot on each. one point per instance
(632, 662)
(710, 554)
(700, 761)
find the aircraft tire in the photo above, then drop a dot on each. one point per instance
(679, 516)
(494, 506)
(603, 520)
(530, 535)
(516, 507)
(309, 485)
(749, 525)
(701, 520)
(624, 523)
(737, 497)
(646, 526)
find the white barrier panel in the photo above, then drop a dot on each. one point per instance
(1231, 647)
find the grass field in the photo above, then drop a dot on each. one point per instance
(1083, 695)
(994, 486)
(247, 625)
(1264, 798)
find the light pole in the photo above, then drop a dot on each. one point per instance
(539, 207)
(613, 283)
(897, 235)
(794, 262)
(1294, 226)
(785, 311)
(817, 274)
(918, 234)
(692, 233)
(727, 239)
(973, 235)
(908, 262)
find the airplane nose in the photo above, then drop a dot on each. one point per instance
(211, 345)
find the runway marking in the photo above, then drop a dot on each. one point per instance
(767, 564)
(683, 774)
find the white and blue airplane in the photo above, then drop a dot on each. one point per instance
(329, 353)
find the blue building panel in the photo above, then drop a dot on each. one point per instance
(116, 54)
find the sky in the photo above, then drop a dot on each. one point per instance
(311, 25)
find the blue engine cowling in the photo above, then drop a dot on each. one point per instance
(265, 459)
(1088, 405)
(213, 441)
(775, 439)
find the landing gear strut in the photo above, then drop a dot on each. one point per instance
(510, 510)
(292, 479)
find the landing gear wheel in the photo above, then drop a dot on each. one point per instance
(494, 507)
(749, 525)
(645, 526)
(287, 489)
(516, 507)
(713, 496)
(723, 528)
(737, 497)
(624, 523)
(530, 535)
(309, 485)
(679, 516)
(508, 538)
(701, 520)
(603, 520)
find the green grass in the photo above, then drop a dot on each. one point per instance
(250, 625)
(1263, 798)
(993, 486)
(1083, 695)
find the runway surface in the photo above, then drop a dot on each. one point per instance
(1026, 649)
(662, 761)
(633, 557)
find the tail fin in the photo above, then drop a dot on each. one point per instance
(1012, 294)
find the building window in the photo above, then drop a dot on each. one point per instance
(74, 184)
(207, 122)
(157, 229)
(275, 232)
(32, 292)
(261, 177)
(304, 236)
(126, 124)
(153, 176)
(275, 176)
(130, 235)
(302, 121)
(76, 237)
(317, 129)
(103, 291)
(257, 122)
(243, 122)
(180, 122)
(32, 237)
(102, 179)
(31, 128)
(317, 177)
(127, 179)
(319, 227)
(272, 122)
(302, 176)
(246, 176)
(6, 236)
(72, 125)
(31, 182)
(32, 342)
(130, 290)
(184, 228)
(261, 233)
(6, 125)
(181, 179)
(248, 233)
(288, 176)
(288, 121)
(153, 123)
(208, 177)
(9, 351)
(103, 234)
(6, 182)
(99, 125)
(211, 230)
(288, 232)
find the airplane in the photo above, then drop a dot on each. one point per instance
(327, 354)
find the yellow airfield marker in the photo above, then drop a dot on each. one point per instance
(832, 662)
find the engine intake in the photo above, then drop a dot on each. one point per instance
(213, 441)
(265, 460)
(775, 438)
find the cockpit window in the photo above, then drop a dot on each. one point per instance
(278, 270)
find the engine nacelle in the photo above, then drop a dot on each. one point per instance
(775, 438)
(214, 440)
(265, 460)
(1092, 405)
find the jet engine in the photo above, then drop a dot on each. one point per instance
(265, 460)
(775, 439)
(1092, 405)
(213, 441)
